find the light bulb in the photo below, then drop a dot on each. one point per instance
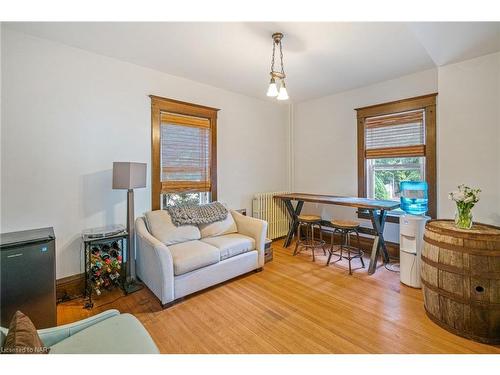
(283, 94)
(273, 89)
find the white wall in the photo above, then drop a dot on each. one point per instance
(325, 140)
(67, 114)
(469, 134)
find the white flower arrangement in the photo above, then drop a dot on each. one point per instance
(465, 198)
(465, 195)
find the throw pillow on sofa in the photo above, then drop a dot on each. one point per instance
(161, 227)
(219, 228)
(22, 337)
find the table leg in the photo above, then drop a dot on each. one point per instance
(378, 222)
(294, 213)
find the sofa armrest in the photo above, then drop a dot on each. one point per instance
(255, 228)
(154, 263)
(51, 336)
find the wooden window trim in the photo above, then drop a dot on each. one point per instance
(428, 104)
(159, 105)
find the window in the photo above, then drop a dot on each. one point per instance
(397, 142)
(385, 174)
(184, 168)
(170, 199)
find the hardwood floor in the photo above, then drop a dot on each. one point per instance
(293, 306)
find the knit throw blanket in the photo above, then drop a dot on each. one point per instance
(197, 214)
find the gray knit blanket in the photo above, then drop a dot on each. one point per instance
(188, 214)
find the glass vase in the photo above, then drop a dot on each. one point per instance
(463, 217)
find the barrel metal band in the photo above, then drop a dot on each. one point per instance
(468, 250)
(468, 334)
(454, 297)
(461, 271)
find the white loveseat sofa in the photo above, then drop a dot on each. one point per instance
(177, 261)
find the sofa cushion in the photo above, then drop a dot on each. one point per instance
(191, 255)
(121, 334)
(160, 226)
(219, 228)
(230, 245)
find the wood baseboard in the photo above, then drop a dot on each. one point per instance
(70, 287)
(365, 243)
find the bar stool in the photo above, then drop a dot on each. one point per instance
(345, 228)
(309, 242)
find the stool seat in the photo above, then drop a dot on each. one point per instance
(345, 224)
(309, 218)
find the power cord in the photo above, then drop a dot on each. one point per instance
(109, 302)
(393, 267)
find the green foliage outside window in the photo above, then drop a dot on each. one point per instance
(380, 190)
(174, 199)
(386, 173)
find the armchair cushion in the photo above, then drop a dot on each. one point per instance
(53, 335)
(120, 334)
(192, 255)
(161, 227)
(219, 228)
(231, 245)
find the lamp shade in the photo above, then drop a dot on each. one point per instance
(273, 89)
(129, 175)
(283, 94)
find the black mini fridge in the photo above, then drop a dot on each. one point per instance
(28, 276)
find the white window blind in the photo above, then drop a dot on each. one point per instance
(185, 153)
(400, 134)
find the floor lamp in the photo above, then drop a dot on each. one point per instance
(130, 176)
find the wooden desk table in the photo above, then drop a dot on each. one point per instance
(377, 210)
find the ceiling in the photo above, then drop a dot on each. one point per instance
(320, 58)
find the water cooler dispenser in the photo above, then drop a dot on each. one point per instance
(414, 202)
(411, 237)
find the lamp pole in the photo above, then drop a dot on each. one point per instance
(131, 237)
(131, 284)
(130, 175)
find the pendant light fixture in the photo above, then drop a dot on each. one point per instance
(277, 87)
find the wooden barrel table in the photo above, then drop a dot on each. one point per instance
(461, 279)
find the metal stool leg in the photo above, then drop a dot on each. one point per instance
(298, 240)
(311, 229)
(352, 252)
(331, 250)
(359, 250)
(342, 239)
(309, 239)
(348, 247)
(321, 238)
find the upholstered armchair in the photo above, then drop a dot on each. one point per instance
(106, 333)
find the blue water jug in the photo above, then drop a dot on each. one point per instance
(414, 198)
